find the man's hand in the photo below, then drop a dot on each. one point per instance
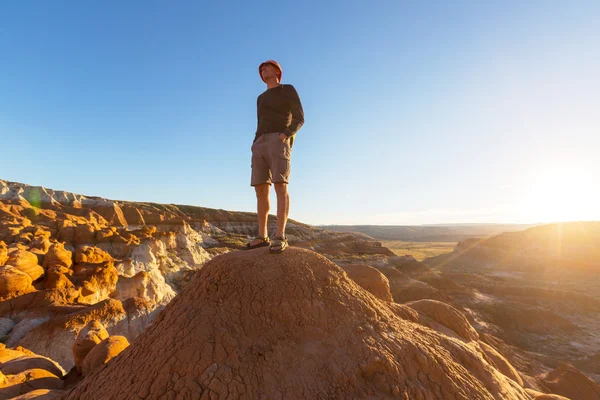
(283, 137)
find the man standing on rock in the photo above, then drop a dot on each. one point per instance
(280, 116)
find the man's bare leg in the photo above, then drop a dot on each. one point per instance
(262, 207)
(283, 207)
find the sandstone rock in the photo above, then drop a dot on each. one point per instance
(404, 312)
(13, 280)
(57, 280)
(501, 363)
(370, 279)
(103, 352)
(140, 314)
(98, 285)
(414, 290)
(85, 234)
(147, 285)
(40, 394)
(29, 380)
(40, 246)
(92, 334)
(27, 262)
(54, 338)
(91, 255)
(568, 381)
(7, 354)
(58, 256)
(17, 365)
(446, 315)
(3, 253)
(295, 324)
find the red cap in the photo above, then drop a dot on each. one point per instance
(273, 62)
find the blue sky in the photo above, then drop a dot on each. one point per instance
(416, 112)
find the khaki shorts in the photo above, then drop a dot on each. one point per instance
(271, 159)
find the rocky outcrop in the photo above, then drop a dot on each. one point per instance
(13, 281)
(27, 381)
(24, 375)
(254, 325)
(103, 352)
(501, 363)
(3, 253)
(27, 262)
(568, 381)
(58, 256)
(446, 315)
(369, 279)
(88, 337)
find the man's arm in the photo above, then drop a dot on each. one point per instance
(257, 118)
(296, 110)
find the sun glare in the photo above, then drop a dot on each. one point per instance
(562, 193)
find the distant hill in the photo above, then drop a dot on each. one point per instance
(549, 247)
(428, 233)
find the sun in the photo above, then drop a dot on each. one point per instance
(562, 192)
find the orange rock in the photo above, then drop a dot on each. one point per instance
(55, 338)
(103, 352)
(24, 363)
(91, 255)
(501, 363)
(404, 312)
(88, 337)
(85, 234)
(254, 325)
(58, 256)
(369, 279)
(446, 315)
(3, 253)
(29, 380)
(566, 380)
(13, 280)
(7, 354)
(57, 280)
(27, 262)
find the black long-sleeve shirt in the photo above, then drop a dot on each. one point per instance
(279, 110)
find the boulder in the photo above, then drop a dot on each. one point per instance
(24, 363)
(57, 255)
(91, 255)
(13, 280)
(27, 262)
(54, 338)
(29, 380)
(147, 285)
(3, 253)
(446, 315)
(88, 337)
(103, 352)
(370, 279)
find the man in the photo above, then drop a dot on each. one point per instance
(280, 116)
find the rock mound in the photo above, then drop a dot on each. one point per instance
(370, 279)
(293, 325)
(446, 315)
(568, 381)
